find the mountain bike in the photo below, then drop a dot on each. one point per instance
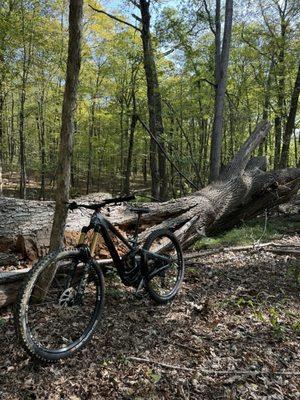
(60, 303)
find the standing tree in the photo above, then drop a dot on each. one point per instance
(290, 124)
(27, 50)
(221, 67)
(157, 158)
(67, 125)
(157, 154)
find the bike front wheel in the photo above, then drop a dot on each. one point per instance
(59, 306)
(163, 265)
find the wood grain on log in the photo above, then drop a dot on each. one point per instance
(25, 225)
(9, 285)
(8, 259)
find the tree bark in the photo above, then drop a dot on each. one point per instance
(280, 116)
(22, 144)
(1, 139)
(90, 154)
(67, 127)
(290, 122)
(26, 61)
(42, 143)
(92, 129)
(157, 158)
(221, 67)
(134, 119)
(9, 285)
(25, 225)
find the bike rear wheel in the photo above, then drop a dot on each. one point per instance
(57, 322)
(163, 265)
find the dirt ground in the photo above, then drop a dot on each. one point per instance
(237, 313)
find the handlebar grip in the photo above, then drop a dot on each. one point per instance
(73, 205)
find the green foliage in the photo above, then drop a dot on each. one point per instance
(154, 377)
(248, 234)
(35, 34)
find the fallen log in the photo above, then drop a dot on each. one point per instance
(9, 285)
(8, 259)
(25, 225)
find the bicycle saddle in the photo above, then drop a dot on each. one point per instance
(139, 210)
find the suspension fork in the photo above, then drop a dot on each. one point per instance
(87, 254)
(94, 241)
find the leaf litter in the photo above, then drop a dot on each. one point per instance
(232, 333)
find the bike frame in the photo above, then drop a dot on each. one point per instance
(101, 227)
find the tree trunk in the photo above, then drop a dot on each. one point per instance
(263, 148)
(90, 154)
(22, 143)
(290, 122)
(67, 127)
(1, 140)
(92, 130)
(279, 118)
(134, 119)
(42, 143)
(221, 66)
(26, 61)
(12, 144)
(157, 158)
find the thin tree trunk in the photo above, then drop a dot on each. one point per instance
(26, 61)
(221, 67)
(22, 143)
(279, 118)
(42, 143)
(90, 155)
(134, 119)
(1, 140)
(290, 122)
(67, 127)
(145, 159)
(157, 158)
(265, 115)
(12, 132)
(297, 145)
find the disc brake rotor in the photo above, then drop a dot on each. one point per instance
(67, 298)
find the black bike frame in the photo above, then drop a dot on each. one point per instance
(102, 226)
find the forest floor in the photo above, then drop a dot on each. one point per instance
(237, 313)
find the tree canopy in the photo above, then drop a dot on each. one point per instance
(263, 64)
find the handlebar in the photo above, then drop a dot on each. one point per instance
(74, 205)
